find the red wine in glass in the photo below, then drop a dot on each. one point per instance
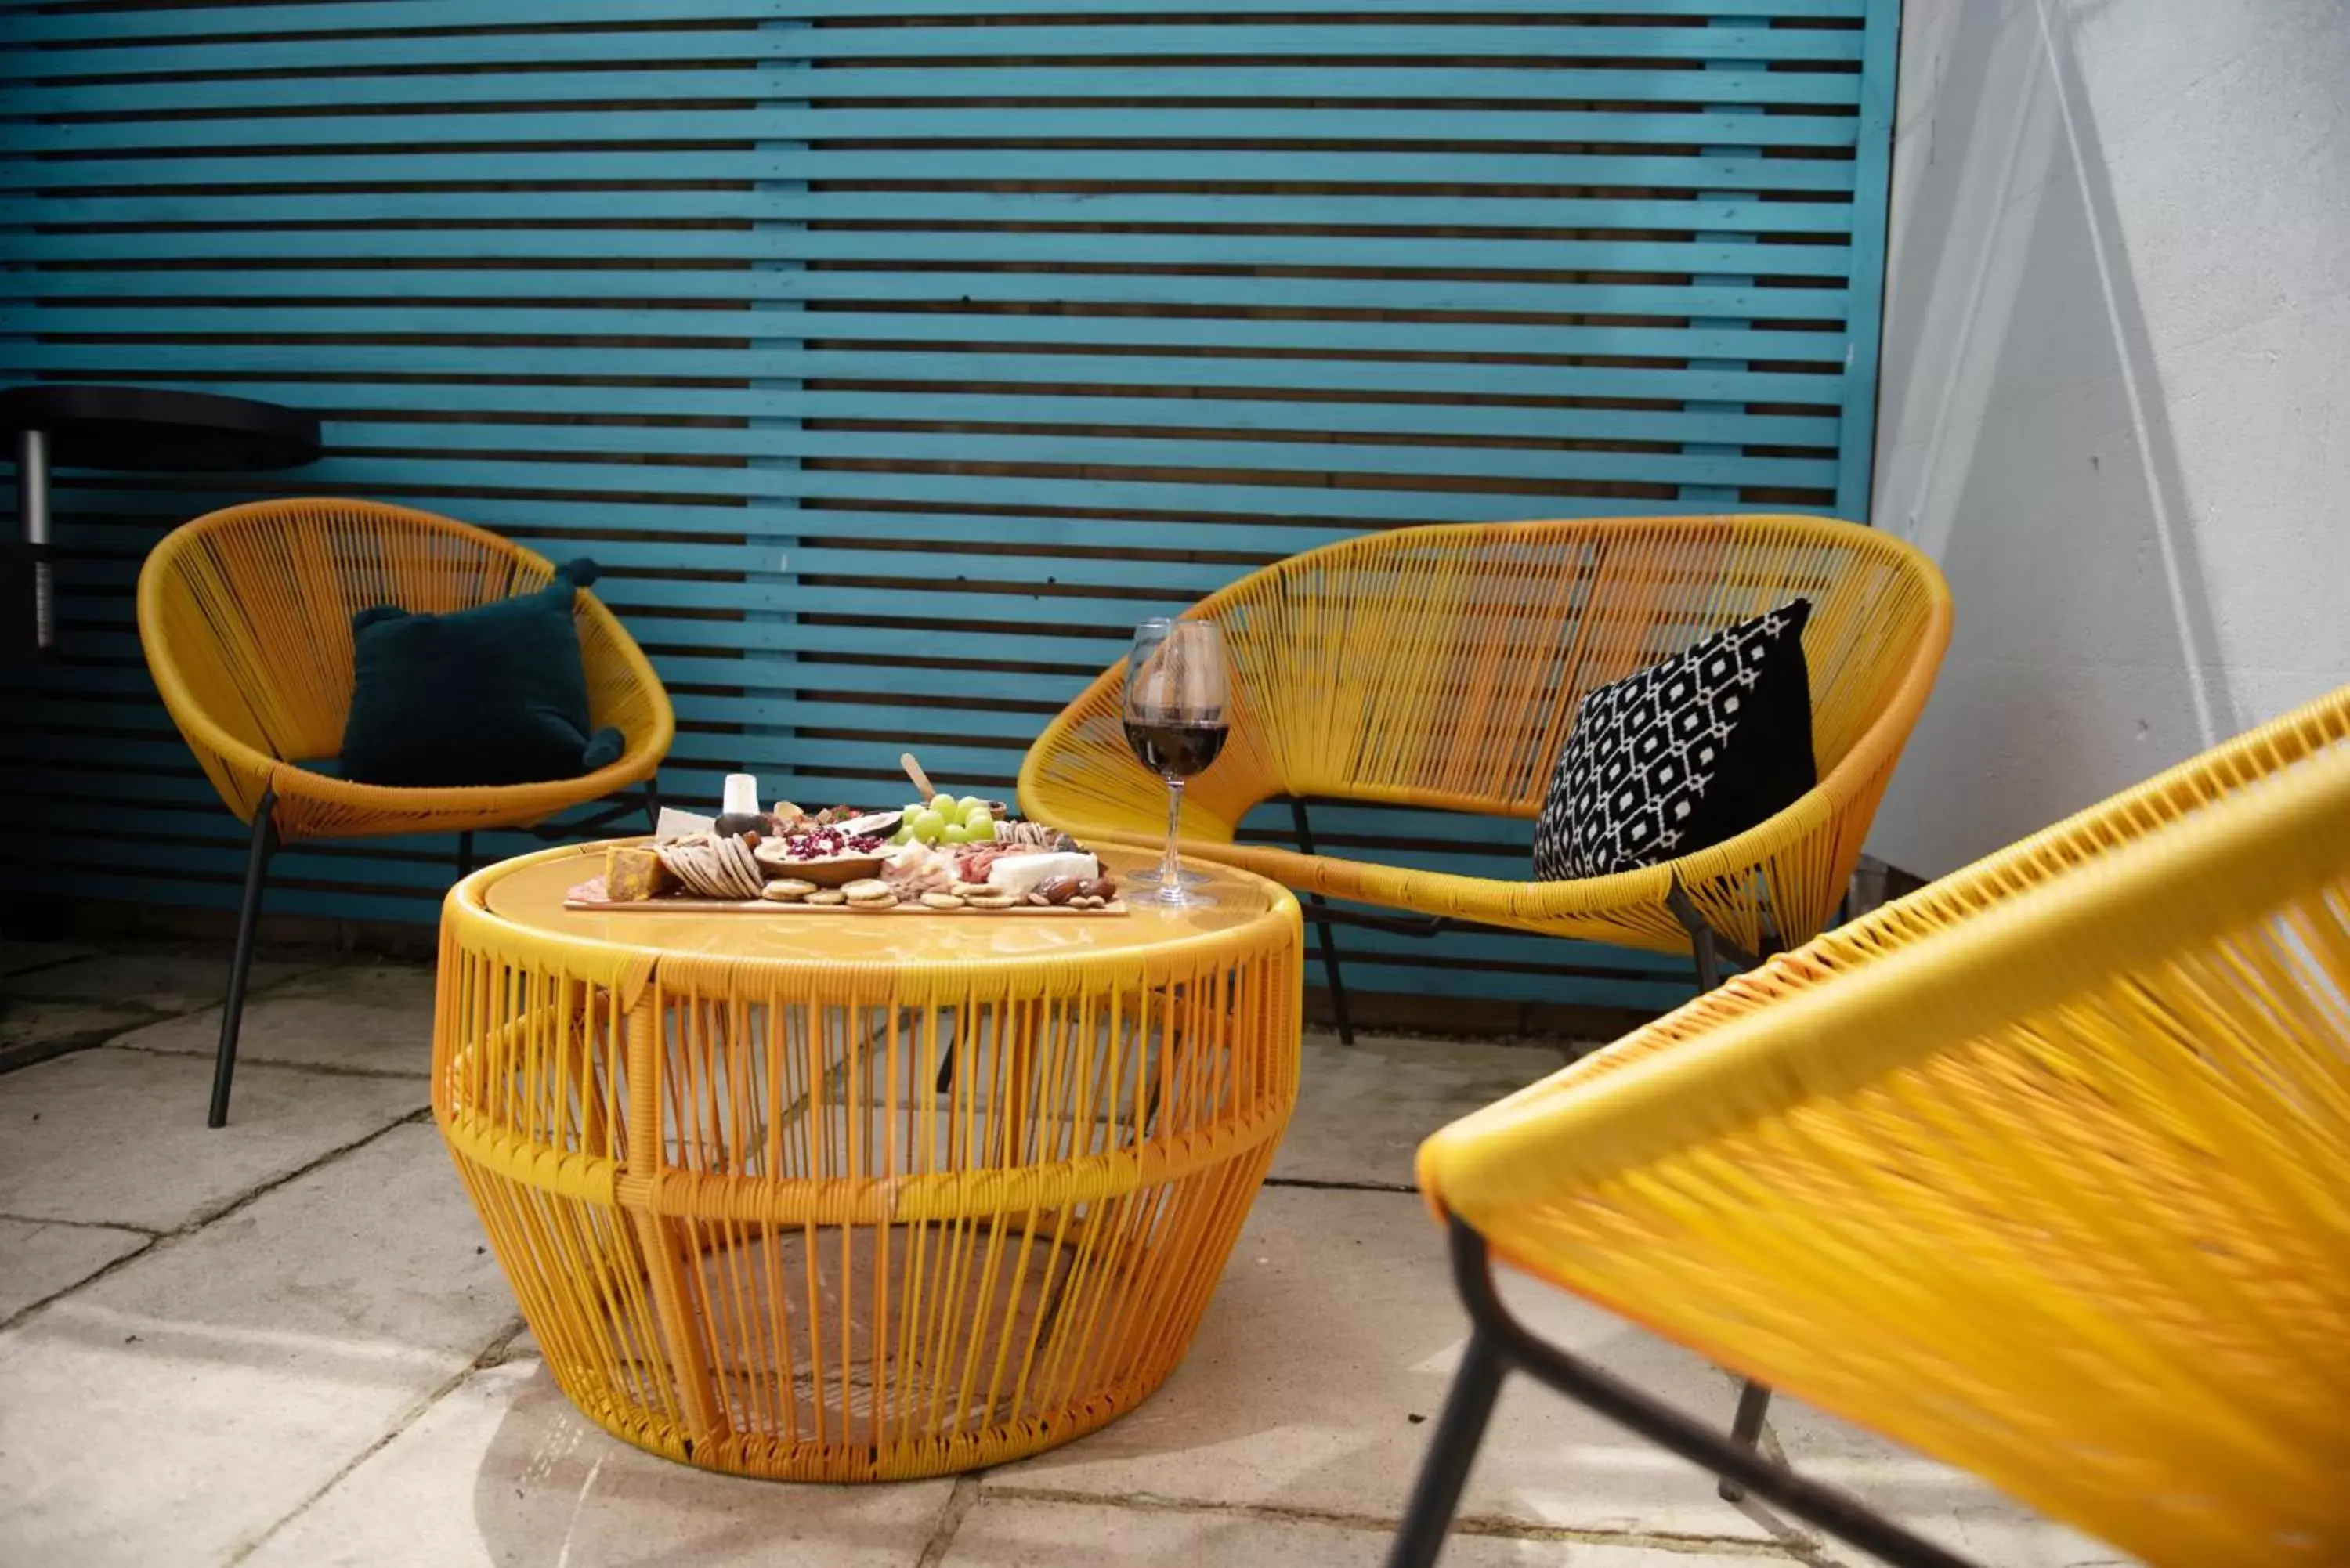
(1172, 750)
(1173, 712)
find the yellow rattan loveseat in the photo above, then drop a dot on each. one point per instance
(1441, 666)
(245, 617)
(2043, 1170)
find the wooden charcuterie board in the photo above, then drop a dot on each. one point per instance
(587, 898)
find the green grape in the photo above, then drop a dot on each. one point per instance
(912, 809)
(927, 825)
(903, 835)
(957, 834)
(944, 805)
(972, 806)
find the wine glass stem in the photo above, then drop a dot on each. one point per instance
(1170, 865)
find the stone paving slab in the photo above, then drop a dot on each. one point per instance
(1335, 1325)
(34, 1030)
(17, 956)
(1362, 1109)
(117, 1138)
(160, 981)
(184, 1406)
(373, 1018)
(503, 1472)
(1947, 1507)
(40, 1258)
(1014, 1531)
(175, 1409)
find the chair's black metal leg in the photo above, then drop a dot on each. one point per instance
(652, 804)
(1325, 932)
(248, 915)
(1450, 1453)
(464, 855)
(1746, 1427)
(1670, 1428)
(1709, 959)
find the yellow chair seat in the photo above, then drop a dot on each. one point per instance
(244, 615)
(2043, 1170)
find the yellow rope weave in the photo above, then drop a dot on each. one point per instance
(1442, 666)
(2043, 1170)
(245, 616)
(750, 1230)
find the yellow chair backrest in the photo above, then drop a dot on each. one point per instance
(245, 617)
(1442, 666)
(251, 605)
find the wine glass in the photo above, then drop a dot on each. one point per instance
(1174, 718)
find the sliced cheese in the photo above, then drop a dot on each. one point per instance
(1021, 875)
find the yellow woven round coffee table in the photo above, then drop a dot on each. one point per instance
(860, 1196)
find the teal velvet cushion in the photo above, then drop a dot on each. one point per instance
(492, 695)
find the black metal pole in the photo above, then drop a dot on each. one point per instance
(248, 915)
(1671, 1429)
(33, 516)
(464, 855)
(1746, 1427)
(1329, 936)
(1452, 1451)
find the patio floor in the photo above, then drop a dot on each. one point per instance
(285, 1343)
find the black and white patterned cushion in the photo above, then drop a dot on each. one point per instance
(1683, 754)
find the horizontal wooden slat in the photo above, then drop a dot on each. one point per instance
(628, 413)
(1492, 379)
(587, 291)
(343, 94)
(30, 23)
(526, 125)
(781, 245)
(1267, 501)
(1162, 449)
(1088, 334)
(1166, 40)
(1383, 210)
(1495, 164)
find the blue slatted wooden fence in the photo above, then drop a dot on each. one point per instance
(895, 355)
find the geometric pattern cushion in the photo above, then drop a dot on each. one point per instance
(1677, 757)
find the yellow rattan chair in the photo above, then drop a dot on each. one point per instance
(245, 616)
(1441, 666)
(2043, 1170)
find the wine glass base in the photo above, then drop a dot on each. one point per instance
(1151, 878)
(1175, 898)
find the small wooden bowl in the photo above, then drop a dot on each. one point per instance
(830, 871)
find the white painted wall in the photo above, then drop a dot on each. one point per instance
(2115, 396)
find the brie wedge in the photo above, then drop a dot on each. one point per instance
(1022, 875)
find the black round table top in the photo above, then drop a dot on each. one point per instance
(146, 427)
